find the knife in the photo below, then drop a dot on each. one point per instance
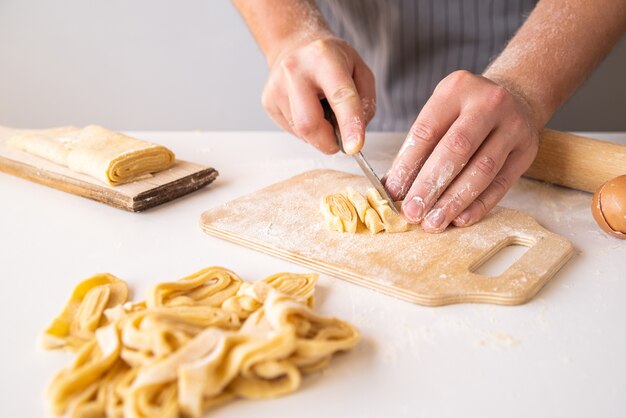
(371, 176)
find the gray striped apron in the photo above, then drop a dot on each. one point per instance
(411, 45)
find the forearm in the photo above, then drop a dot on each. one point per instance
(275, 24)
(556, 49)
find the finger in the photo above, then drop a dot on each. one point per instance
(272, 103)
(437, 115)
(447, 159)
(366, 87)
(514, 166)
(308, 115)
(284, 122)
(470, 183)
(339, 88)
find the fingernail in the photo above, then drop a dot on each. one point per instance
(414, 210)
(435, 218)
(462, 219)
(351, 144)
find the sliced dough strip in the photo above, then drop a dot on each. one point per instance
(339, 213)
(367, 214)
(393, 221)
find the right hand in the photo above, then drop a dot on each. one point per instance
(303, 74)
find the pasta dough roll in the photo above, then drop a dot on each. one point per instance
(103, 154)
(116, 158)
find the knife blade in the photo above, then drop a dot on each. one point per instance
(367, 169)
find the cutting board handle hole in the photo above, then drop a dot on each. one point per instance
(501, 257)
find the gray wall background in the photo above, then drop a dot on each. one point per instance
(178, 65)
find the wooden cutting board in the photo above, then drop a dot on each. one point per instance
(180, 179)
(284, 220)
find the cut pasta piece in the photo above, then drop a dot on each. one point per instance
(393, 222)
(371, 210)
(339, 213)
(366, 213)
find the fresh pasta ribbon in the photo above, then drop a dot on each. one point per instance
(92, 362)
(153, 334)
(84, 312)
(250, 297)
(193, 344)
(208, 287)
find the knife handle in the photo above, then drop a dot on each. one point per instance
(329, 115)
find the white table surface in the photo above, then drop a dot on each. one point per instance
(562, 354)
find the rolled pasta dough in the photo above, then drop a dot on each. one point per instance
(108, 156)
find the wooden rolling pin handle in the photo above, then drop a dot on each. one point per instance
(577, 162)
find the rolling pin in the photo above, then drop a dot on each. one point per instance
(577, 162)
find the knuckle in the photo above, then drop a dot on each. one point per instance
(305, 126)
(423, 132)
(455, 80)
(341, 94)
(487, 165)
(501, 184)
(369, 107)
(458, 143)
(481, 205)
(496, 97)
(401, 177)
(517, 122)
(320, 47)
(455, 204)
(528, 145)
(289, 64)
(460, 75)
(328, 148)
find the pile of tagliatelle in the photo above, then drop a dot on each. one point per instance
(192, 344)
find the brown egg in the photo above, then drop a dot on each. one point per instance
(609, 207)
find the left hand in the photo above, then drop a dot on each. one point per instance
(468, 145)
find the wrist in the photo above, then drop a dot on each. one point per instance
(538, 114)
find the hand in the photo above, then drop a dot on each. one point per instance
(470, 142)
(329, 68)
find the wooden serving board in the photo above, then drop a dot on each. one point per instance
(180, 179)
(284, 220)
